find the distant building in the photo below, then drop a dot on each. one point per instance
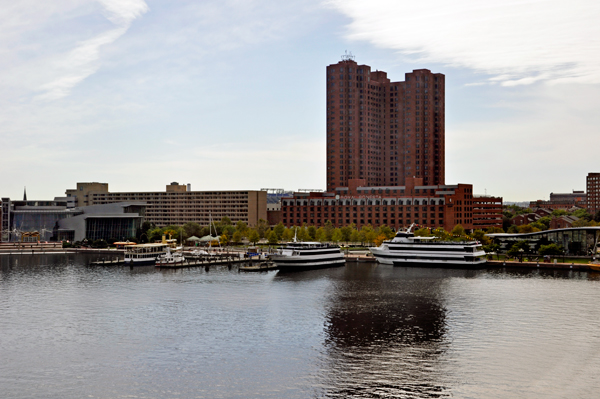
(562, 201)
(395, 206)
(542, 212)
(178, 205)
(58, 220)
(524, 219)
(575, 240)
(487, 212)
(382, 131)
(593, 192)
(563, 222)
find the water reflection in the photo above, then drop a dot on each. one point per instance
(385, 333)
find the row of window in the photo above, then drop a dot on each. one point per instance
(348, 202)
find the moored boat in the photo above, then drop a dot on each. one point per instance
(171, 257)
(405, 250)
(308, 255)
(144, 254)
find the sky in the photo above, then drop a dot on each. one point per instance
(230, 94)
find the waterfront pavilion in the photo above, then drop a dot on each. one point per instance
(575, 240)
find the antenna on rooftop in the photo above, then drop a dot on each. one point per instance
(347, 56)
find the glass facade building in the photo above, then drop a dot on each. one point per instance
(575, 240)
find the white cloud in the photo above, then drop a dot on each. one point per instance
(81, 62)
(518, 42)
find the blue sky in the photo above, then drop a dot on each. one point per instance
(230, 94)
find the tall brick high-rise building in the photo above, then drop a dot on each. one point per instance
(383, 131)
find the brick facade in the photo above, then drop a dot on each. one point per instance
(487, 212)
(383, 131)
(593, 192)
(396, 206)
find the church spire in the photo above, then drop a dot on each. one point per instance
(25, 193)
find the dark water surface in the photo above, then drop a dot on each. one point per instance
(68, 330)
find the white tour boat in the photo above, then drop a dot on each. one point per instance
(405, 249)
(144, 254)
(306, 255)
(171, 258)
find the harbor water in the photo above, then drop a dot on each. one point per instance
(70, 330)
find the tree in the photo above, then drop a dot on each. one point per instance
(172, 231)
(387, 231)
(312, 232)
(371, 236)
(192, 229)
(328, 230)
(422, 232)
(367, 234)
(99, 244)
(583, 223)
(321, 234)
(494, 229)
(261, 227)
(142, 234)
(224, 239)
(513, 229)
(542, 223)
(559, 212)
(237, 236)
(347, 232)
(458, 230)
(582, 214)
(337, 235)
(241, 227)
(279, 229)
(272, 237)
(551, 249)
(597, 216)
(155, 234)
(380, 239)
(302, 234)
(518, 248)
(253, 236)
(229, 230)
(491, 248)
(225, 221)
(527, 228)
(354, 236)
(288, 235)
(441, 234)
(479, 235)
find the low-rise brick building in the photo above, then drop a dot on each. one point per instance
(563, 222)
(397, 207)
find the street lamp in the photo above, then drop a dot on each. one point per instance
(521, 250)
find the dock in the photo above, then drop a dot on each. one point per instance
(360, 258)
(538, 265)
(108, 262)
(261, 267)
(208, 260)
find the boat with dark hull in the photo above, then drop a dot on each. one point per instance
(407, 250)
(308, 255)
(144, 254)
